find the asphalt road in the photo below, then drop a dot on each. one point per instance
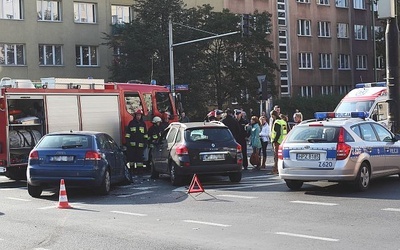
(258, 213)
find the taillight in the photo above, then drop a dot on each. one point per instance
(34, 155)
(342, 149)
(280, 153)
(182, 150)
(239, 160)
(238, 148)
(92, 156)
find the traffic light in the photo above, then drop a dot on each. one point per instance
(246, 25)
(260, 94)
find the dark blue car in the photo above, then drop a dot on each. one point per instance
(82, 158)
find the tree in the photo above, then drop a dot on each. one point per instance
(218, 71)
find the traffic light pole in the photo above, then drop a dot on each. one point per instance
(171, 51)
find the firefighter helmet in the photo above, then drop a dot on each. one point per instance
(156, 119)
(139, 112)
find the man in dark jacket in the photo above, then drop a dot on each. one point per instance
(242, 137)
(232, 124)
(136, 140)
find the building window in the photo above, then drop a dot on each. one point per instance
(284, 78)
(360, 32)
(342, 30)
(48, 10)
(344, 61)
(359, 4)
(283, 55)
(344, 89)
(361, 62)
(305, 61)
(304, 27)
(12, 54)
(303, 1)
(50, 55)
(342, 3)
(324, 29)
(323, 2)
(281, 13)
(11, 9)
(121, 14)
(86, 56)
(380, 62)
(85, 12)
(326, 90)
(306, 91)
(325, 61)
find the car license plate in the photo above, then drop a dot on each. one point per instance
(307, 157)
(62, 158)
(214, 157)
(2, 169)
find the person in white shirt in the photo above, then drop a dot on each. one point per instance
(264, 137)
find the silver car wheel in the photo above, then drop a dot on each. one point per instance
(364, 176)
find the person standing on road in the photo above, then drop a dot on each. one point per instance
(242, 138)
(184, 118)
(271, 118)
(233, 125)
(264, 136)
(297, 117)
(255, 142)
(279, 131)
(137, 139)
(154, 134)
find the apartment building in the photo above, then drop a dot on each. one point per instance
(322, 47)
(58, 38)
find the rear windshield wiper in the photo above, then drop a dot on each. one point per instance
(312, 140)
(72, 146)
(203, 139)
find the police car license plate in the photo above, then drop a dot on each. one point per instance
(2, 169)
(307, 157)
(61, 158)
(214, 157)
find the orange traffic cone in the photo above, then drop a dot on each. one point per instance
(63, 199)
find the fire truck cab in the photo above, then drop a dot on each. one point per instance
(30, 110)
(370, 97)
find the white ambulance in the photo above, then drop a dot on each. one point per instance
(370, 97)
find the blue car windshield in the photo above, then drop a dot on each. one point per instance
(65, 141)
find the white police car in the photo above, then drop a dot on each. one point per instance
(340, 147)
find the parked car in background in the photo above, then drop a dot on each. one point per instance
(82, 158)
(340, 147)
(191, 148)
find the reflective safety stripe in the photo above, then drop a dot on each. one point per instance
(141, 129)
(133, 129)
(146, 136)
(133, 144)
(127, 135)
(141, 145)
(139, 164)
(155, 136)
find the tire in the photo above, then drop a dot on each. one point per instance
(127, 176)
(235, 177)
(153, 173)
(363, 178)
(34, 191)
(105, 186)
(176, 180)
(294, 184)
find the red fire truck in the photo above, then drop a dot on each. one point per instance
(28, 111)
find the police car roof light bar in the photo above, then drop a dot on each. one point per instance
(370, 84)
(327, 115)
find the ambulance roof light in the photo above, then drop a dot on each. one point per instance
(326, 115)
(370, 84)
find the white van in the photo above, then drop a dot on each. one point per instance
(370, 97)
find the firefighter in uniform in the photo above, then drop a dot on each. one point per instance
(137, 139)
(278, 133)
(154, 133)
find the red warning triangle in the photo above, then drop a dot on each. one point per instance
(195, 185)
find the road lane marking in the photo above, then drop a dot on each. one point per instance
(17, 199)
(315, 203)
(237, 196)
(255, 186)
(391, 209)
(143, 188)
(207, 223)
(128, 195)
(307, 236)
(229, 187)
(128, 213)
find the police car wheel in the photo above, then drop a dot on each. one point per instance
(294, 185)
(363, 178)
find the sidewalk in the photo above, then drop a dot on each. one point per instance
(270, 158)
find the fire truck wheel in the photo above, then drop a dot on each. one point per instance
(105, 186)
(16, 174)
(35, 191)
